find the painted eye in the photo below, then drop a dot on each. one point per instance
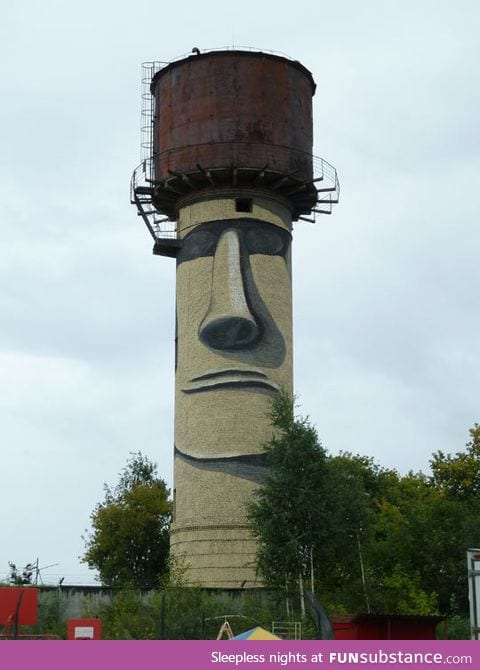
(197, 244)
(265, 241)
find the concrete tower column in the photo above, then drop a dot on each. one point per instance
(230, 168)
(234, 350)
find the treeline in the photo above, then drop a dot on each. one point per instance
(366, 538)
(363, 537)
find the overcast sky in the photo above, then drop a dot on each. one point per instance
(386, 318)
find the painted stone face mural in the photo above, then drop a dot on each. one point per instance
(233, 341)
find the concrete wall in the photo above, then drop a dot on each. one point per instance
(75, 601)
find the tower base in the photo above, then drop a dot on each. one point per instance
(214, 540)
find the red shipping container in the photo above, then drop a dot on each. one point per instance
(385, 627)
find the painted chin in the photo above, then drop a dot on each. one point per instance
(230, 379)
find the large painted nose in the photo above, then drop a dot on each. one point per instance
(229, 323)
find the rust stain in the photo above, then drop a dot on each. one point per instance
(207, 106)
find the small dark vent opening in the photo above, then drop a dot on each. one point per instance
(243, 204)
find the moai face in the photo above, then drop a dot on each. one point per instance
(234, 333)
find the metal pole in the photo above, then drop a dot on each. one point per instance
(473, 566)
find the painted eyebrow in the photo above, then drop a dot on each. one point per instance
(216, 228)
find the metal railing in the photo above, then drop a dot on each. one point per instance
(158, 65)
(288, 630)
(324, 178)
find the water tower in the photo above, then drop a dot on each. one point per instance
(228, 168)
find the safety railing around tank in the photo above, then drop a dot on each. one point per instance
(157, 65)
(160, 227)
(156, 186)
(327, 185)
(310, 183)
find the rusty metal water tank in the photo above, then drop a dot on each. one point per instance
(238, 107)
(233, 119)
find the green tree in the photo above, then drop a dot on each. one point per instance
(456, 479)
(288, 509)
(399, 546)
(375, 540)
(459, 475)
(128, 543)
(350, 494)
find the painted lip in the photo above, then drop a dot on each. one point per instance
(230, 378)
